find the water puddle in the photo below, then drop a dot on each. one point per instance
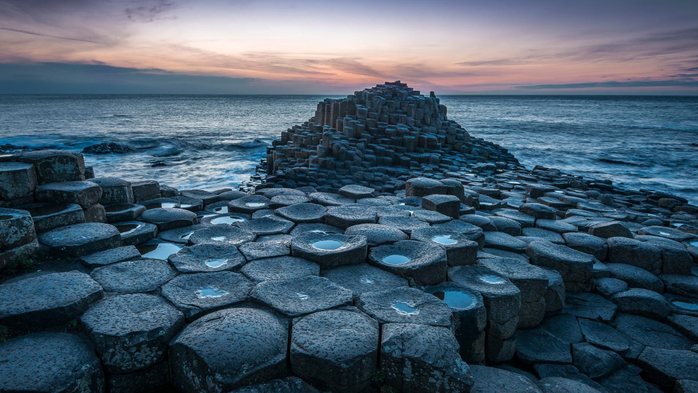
(302, 296)
(187, 235)
(327, 245)
(222, 209)
(492, 279)
(664, 233)
(455, 299)
(218, 238)
(685, 305)
(396, 259)
(444, 239)
(255, 204)
(158, 251)
(403, 308)
(366, 280)
(215, 262)
(128, 228)
(208, 292)
(227, 220)
(694, 243)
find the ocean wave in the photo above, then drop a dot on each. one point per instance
(619, 162)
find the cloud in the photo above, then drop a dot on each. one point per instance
(49, 35)
(146, 11)
(495, 62)
(613, 84)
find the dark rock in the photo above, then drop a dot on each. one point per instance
(642, 302)
(329, 250)
(169, 218)
(158, 249)
(377, 234)
(363, 278)
(490, 379)
(17, 180)
(405, 305)
(590, 306)
(123, 212)
(448, 205)
(107, 148)
(206, 196)
(686, 324)
(564, 385)
(555, 294)
(650, 332)
(460, 249)
(144, 381)
(114, 190)
(681, 285)
(610, 229)
(266, 226)
(666, 366)
(636, 277)
(179, 235)
(248, 204)
(538, 210)
(107, 257)
(503, 241)
(206, 257)
(568, 372)
(131, 332)
(54, 166)
(134, 233)
(17, 229)
(303, 212)
(81, 239)
(565, 327)
(47, 216)
(84, 193)
(627, 380)
(300, 296)
(145, 190)
(355, 191)
(280, 268)
(576, 268)
(140, 275)
(539, 346)
(197, 294)
(587, 244)
(596, 362)
(267, 248)
(544, 234)
(423, 262)
(228, 349)
(608, 286)
(676, 259)
(283, 385)
(666, 232)
(421, 186)
(636, 253)
(350, 214)
(95, 213)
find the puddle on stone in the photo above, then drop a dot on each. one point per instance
(685, 305)
(158, 251)
(221, 209)
(255, 204)
(444, 239)
(327, 245)
(227, 220)
(492, 279)
(403, 308)
(320, 231)
(116, 208)
(215, 262)
(455, 299)
(187, 235)
(366, 280)
(396, 259)
(302, 296)
(128, 229)
(169, 205)
(664, 233)
(185, 206)
(694, 243)
(210, 291)
(218, 238)
(42, 210)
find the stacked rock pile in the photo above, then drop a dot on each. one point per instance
(499, 280)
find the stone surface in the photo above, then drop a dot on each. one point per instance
(17, 180)
(107, 257)
(114, 190)
(642, 302)
(596, 362)
(17, 228)
(47, 216)
(197, 294)
(140, 275)
(364, 278)
(635, 253)
(303, 212)
(221, 234)
(228, 349)
(539, 346)
(55, 165)
(299, 296)
(351, 214)
(422, 262)
(81, 239)
(206, 257)
(84, 193)
(590, 306)
(377, 234)
(635, 277)
(576, 268)
(490, 379)
(586, 243)
(131, 332)
(270, 225)
(665, 366)
(650, 332)
(49, 362)
(330, 250)
(604, 336)
(564, 385)
(460, 249)
(283, 385)
(405, 305)
(169, 218)
(610, 229)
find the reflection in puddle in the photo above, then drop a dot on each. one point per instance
(255, 204)
(221, 209)
(492, 279)
(158, 251)
(686, 305)
(455, 299)
(187, 235)
(116, 208)
(218, 238)
(444, 239)
(366, 280)
(327, 245)
(396, 259)
(128, 228)
(215, 262)
(210, 292)
(403, 308)
(664, 233)
(302, 296)
(227, 220)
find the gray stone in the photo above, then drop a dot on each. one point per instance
(228, 349)
(55, 165)
(325, 351)
(642, 302)
(596, 362)
(566, 371)
(283, 385)
(266, 248)
(675, 256)
(355, 191)
(49, 362)
(47, 216)
(47, 299)
(17, 229)
(81, 239)
(564, 385)
(539, 346)
(555, 294)
(266, 226)
(131, 332)
(377, 234)
(587, 244)
(686, 324)
(635, 277)
(107, 257)
(206, 258)
(525, 220)
(206, 196)
(604, 336)
(134, 233)
(114, 190)
(249, 204)
(327, 199)
(84, 193)
(301, 229)
(556, 226)
(650, 332)
(610, 229)
(423, 262)
(221, 234)
(421, 186)
(590, 306)
(143, 381)
(666, 232)
(123, 211)
(682, 285)
(636, 253)
(460, 249)
(565, 327)
(329, 250)
(628, 380)
(158, 249)
(300, 296)
(448, 205)
(405, 224)
(666, 366)
(503, 241)
(140, 275)
(608, 286)
(363, 278)
(420, 358)
(95, 213)
(576, 268)
(280, 268)
(17, 180)
(544, 234)
(200, 293)
(350, 214)
(405, 305)
(490, 379)
(303, 212)
(169, 218)
(538, 210)
(179, 235)
(145, 190)
(287, 200)
(686, 386)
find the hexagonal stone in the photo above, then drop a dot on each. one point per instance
(503, 241)
(145, 190)
(635, 277)
(248, 204)
(576, 268)
(221, 234)
(123, 211)
(652, 333)
(460, 249)
(364, 278)
(197, 294)
(604, 336)
(643, 302)
(136, 232)
(406, 305)
(206, 196)
(301, 229)
(81, 239)
(636, 253)
(228, 349)
(610, 229)
(17, 180)
(107, 257)
(666, 366)
(564, 385)
(287, 200)
(325, 352)
(49, 216)
(405, 224)
(666, 232)
(596, 362)
(266, 226)
(285, 385)
(114, 190)
(448, 205)
(328, 199)
(350, 214)
(490, 379)
(299, 296)
(169, 218)
(141, 275)
(423, 262)
(303, 212)
(84, 193)
(377, 234)
(54, 166)
(421, 358)
(131, 332)
(422, 186)
(179, 235)
(544, 234)
(267, 247)
(590, 306)
(329, 250)
(355, 191)
(17, 228)
(587, 243)
(280, 268)
(682, 285)
(535, 346)
(206, 258)
(50, 362)
(47, 299)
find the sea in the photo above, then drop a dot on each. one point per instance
(212, 142)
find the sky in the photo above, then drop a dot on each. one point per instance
(337, 47)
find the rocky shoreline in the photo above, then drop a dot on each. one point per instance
(379, 247)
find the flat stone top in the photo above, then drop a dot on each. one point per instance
(69, 186)
(78, 234)
(14, 166)
(364, 278)
(11, 214)
(280, 268)
(356, 191)
(167, 215)
(541, 248)
(484, 280)
(140, 275)
(46, 292)
(125, 314)
(232, 340)
(405, 305)
(43, 362)
(490, 379)
(303, 295)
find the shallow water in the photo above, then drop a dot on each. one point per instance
(455, 299)
(327, 245)
(158, 251)
(396, 259)
(212, 142)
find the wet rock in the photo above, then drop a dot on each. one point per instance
(84, 193)
(421, 186)
(586, 243)
(544, 234)
(405, 305)
(17, 228)
(538, 210)
(287, 200)
(107, 148)
(228, 349)
(355, 191)
(123, 212)
(460, 249)
(144, 381)
(267, 248)
(49, 362)
(280, 268)
(565, 327)
(301, 229)
(566, 371)
(221, 234)
(596, 362)
(131, 332)
(610, 229)
(141, 275)
(328, 199)
(248, 204)
(636, 253)
(348, 215)
(266, 226)
(54, 166)
(604, 336)
(448, 205)
(145, 190)
(675, 256)
(107, 257)
(643, 302)
(650, 332)
(685, 324)
(420, 358)
(564, 385)
(364, 278)
(608, 286)
(405, 224)
(197, 294)
(47, 216)
(81, 239)
(335, 349)
(17, 180)
(636, 277)
(206, 257)
(329, 250)
(299, 296)
(490, 379)
(666, 366)
(179, 235)
(303, 212)
(377, 234)
(423, 262)
(681, 285)
(686, 386)
(47, 299)
(169, 218)
(525, 220)
(590, 306)
(135, 232)
(95, 213)
(114, 190)
(576, 268)
(666, 232)
(539, 346)
(503, 241)
(206, 196)
(283, 385)
(158, 249)
(628, 380)
(556, 226)
(555, 294)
